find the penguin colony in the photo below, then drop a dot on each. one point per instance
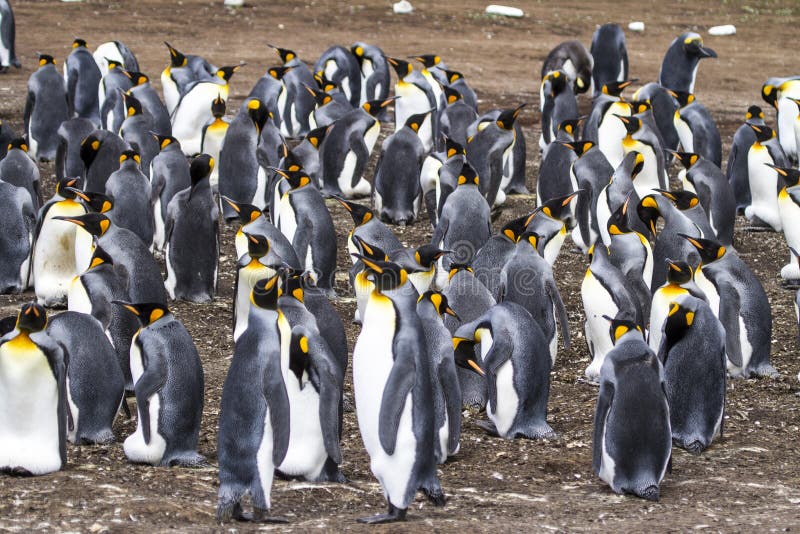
(473, 318)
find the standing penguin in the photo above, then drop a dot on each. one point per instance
(415, 95)
(33, 386)
(431, 306)
(736, 169)
(238, 163)
(632, 435)
(192, 238)
(396, 194)
(17, 168)
(45, 109)
(574, 60)
(295, 104)
(100, 153)
(68, 156)
(456, 116)
(339, 65)
(558, 104)
(152, 105)
(516, 365)
(137, 130)
(95, 384)
(345, 151)
(53, 256)
(696, 128)
(82, 77)
(619, 190)
(632, 254)
(763, 156)
(641, 139)
(213, 136)
(19, 223)
(394, 399)
(610, 55)
(254, 419)
(375, 77)
(7, 37)
(679, 67)
(168, 382)
(131, 191)
(555, 178)
(258, 263)
(693, 355)
(591, 172)
(779, 93)
(116, 82)
(169, 173)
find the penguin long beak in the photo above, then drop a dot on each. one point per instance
(232, 204)
(78, 193)
(706, 52)
(68, 219)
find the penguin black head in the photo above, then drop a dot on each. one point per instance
(278, 72)
(570, 127)
(325, 85)
(679, 272)
(96, 202)
(402, 67)
(132, 105)
(513, 229)
(147, 312)
(285, 54)
(683, 98)
(32, 318)
(320, 96)
(467, 176)
(649, 213)
(557, 207)
(428, 60)
(638, 164)
(618, 221)
(45, 59)
(507, 117)
(452, 147)
(451, 95)
(455, 268)
(19, 143)
(789, 176)
(100, 257)
(265, 293)
(358, 50)
(632, 124)
(113, 64)
(555, 82)
(176, 58)
(64, 185)
(687, 159)
(166, 140)
(296, 178)
(754, 112)
(693, 46)
(226, 73)
(439, 301)
(372, 252)
(386, 275)
(96, 224)
(533, 239)
(201, 168)
(138, 78)
(246, 213)
(428, 254)
(258, 112)
(464, 355)
(375, 107)
(79, 43)
(361, 214)
(293, 285)
(709, 250)
(620, 327)
(89, 148)
(579, 147)
(415, 121)
(130, 155)
(763, 133)
(257, 245)
(640, 106)
(317, 135)
(770, 94)
(679, 321)
(616, 88)
(453, 76)
(218, 107)
(299, 361)
(683, 200)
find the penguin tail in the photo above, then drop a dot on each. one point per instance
(650, 493)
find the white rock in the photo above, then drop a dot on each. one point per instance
(726, 29)
(637, 26)
(234, 3)
(402, 7)
(505, 11)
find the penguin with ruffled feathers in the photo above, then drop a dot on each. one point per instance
(238, 164)
(632, 443)
(680, 282)
(736, 169)
(558, 104)
(168, 383)
(714, 192)
(132, 192)
(555, 179)
(137, 130)
(8, 57)
(145, 282)
(396, 191)
(375, 77)
(693, 355)
(169, 173)
(17, 168)
(679, 67)
(763, 210)
(100, 153)
(16, 238)
(34, 390)
(192, 237)
(590, 172)
(82, 76)
(609, 55)
(46, 107)
(68, 155)
(95, 384)
(516, 364)
(739, 300)
(576, 62)
(393, 393)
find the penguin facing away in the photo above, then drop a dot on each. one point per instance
(609, 54)
(46, 108)
(7, 38)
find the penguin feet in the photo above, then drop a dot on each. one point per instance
(650, 493)
(765, 371)
(542, 431)
(17, 472)
(435, 494)
(694, 447)
(261, 515)
(395, 514)
(331, 473)
(489, 427)
(348, 406)
(187, 459)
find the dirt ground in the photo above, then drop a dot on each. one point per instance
(749, 479)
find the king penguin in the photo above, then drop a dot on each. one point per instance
(609, 55)
(679, 67)
(696, 128)
(415, 95)
(46, 108)
(763, 209)
(169, 173)
(213, 136)
(82, 76)
(17, 168)
(131, 191)
(19, 223)
(375, 76)
(736, 169)
(8, 31)
(714, 192)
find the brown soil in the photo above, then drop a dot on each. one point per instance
(750, 479)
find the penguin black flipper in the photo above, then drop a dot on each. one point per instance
(26, 121)
(452, 401)
(56, 357)
(274, 391)
(558, 302)
(151, 382)
(302, 241)
(398, 385)
(604, 399)
(729, 304)
(359, 148)
(498, 354)
(324, 379)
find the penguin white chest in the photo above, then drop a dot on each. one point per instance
(28, 408)
(248, 276)
(607, 463)
(684, 133)
(266, 469)
(596, 302)
(135, 446)
(505, 412)
(763, 187)
(54, 254)
(77, 299)
(5, 53)
(287, 222)
(306, 454)
(659, 310)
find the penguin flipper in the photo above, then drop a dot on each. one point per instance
(393, 402)
(274, 391)
(302, 241)
(330, 392)
(72, 82)
(440, 231)
(151, 382)
(28, 110)
(604, 399)
(57, 358)
(558, 302)
(498, 354)
(729, 304)
(359, 147)
(448, 378)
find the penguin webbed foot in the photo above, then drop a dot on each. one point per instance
(434, 494)
(650, 493)
(536, 432)
(19, 472)
(695, 447)
(331, 473)
(764, 371)
(488, 427)
(189, 459)
(392, 516)
(261, 515)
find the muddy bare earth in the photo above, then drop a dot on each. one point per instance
(748, 480)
